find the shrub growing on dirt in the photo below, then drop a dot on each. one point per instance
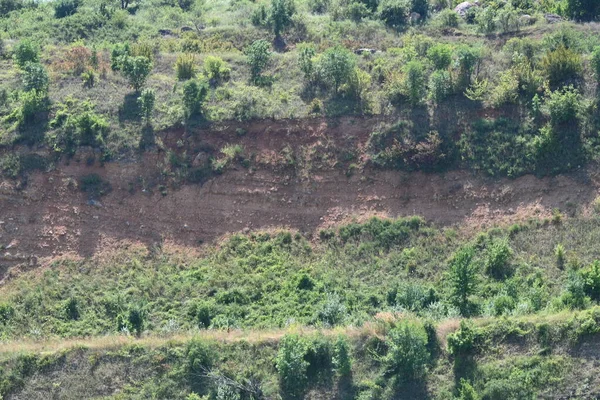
(562, 66)
(146, 101)
(336, 65)
(407, 356)
(136, 70)
(341, 356)
(292, 366)
(497, 259)
(26, 51)
(35, 77)
(216, 70)
(258, 57)
(185, 67)
(440, 56)
(463, 280)
(281, 15)
(395, 13)
(194, 93)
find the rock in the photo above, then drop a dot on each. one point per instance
(186, 29)
(201, 160)
(527, 19)
(552, 18)
(463, 7)
(415, 17)
(364, 50)
(165, 32)
(95, 203)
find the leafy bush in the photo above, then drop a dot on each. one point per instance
(440, 56)
(506, 90)
(216, 70)
(185, 67)
(64, 8)
(136, 70)
(414, 82)
(336, 66)
(75, 126)
(306, 60)
(583, 10)
(119, 52)
(591, 279)
(467, 59)
(281, 15)
(446, 19)
(463, 279)
(463, 342)
(31, 104)
(440, 86)
(35, 77)
(26, 51)
(395, 13)
(194, 94)
(7, 6)
(292, 366)
(497, 258)
(562, 66)
(595, 62)
(341, 356)
(486, 20)
(146, 101)
(94, 185)
(407, 356)
(258, 56)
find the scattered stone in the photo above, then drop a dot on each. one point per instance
(527, 19)
(186, 29)
(415, 17)
(364, 50)
(95, 203)
(201, 160)
(552, 18)
(165, 32)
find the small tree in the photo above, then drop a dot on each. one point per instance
(146, 101)
(26, 51)
(561, 66)
(185, 67)
(467, 59)
(64, 8)
(341, 356)
(194, 93)
(595, 62)
(259, 55)
(395, 13)
(463, 280)
(440, 86)
(35, 77)
(281, 15)
(440, 56)
(215, 69)
(136, 70)
(414, 82)
(292, 366)
(306, 56)
(407, 356)
(336, 66)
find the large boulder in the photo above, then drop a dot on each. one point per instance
(552, 18)
(463, 7)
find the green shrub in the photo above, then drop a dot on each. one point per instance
(146, 101)
(440, 55)
(119, 52)
(185, 67)
(497, 259)
(7, 311)
(591, 279)
(341, 356)
(336, 66)
(563, 107)
(35, 77)
(395, 13)
(26, 51)
(464, 341)
(194, 94)
(94, 185)
(216, 70)
(440, 86)
(281, 15)
(467, 392)
(357, 11)
(64, 8)
(136, 70)
(574, 295)
(136, 317)
(414, 82)
(562, 66)
(407, 356)
(7, 6)
(467, 59)
(292, 367)
(258, 57)
(306, 60)
(508, 19)
(32, 103)
(89, 78)
(595, 63)
(486, 20)
(463, 280)
(506, 91)
(447, 19)
(583, 10)
(71, 309)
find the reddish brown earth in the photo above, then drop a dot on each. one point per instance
(50, 216)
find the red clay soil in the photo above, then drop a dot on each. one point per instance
(51, 216)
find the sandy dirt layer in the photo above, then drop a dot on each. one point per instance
(50, 216)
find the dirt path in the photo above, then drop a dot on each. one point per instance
(52, 217)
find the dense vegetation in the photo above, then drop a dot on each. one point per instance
(373, 309)
(517, 91)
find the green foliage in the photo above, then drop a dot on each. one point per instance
(185, 67)
(595, 63)
(463, 280)
(440, 86)
(414, 82)
(146, 101)
(76, 125)
(463, 342)
(447, 19)
(407, 356)
(258, 57)
(281, 15)
(486, 20)
(591, 279)
(216, 70)
(336, 66)
(395, 13)
(341, 356)
(306, 60)
(94, 185)
(35, 77)
(440, 56)
(497, 259)
(292, 366)
(64, 8)
(562, 66)
(136, 70)
(194, 94)
(467, 59)
(467, 392)
(118, 54)
(26, 51)
(582, 10)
